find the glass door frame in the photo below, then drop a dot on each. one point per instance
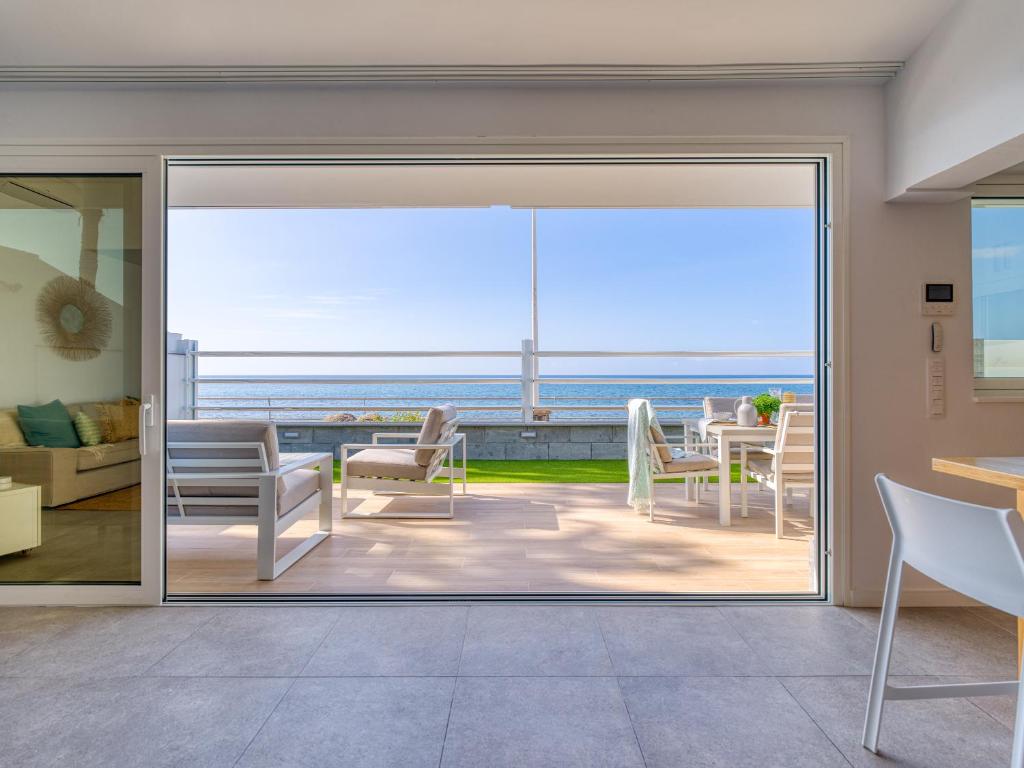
(71, 161)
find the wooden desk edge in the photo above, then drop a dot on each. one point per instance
(962, 466)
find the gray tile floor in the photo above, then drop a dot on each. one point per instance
(489, 686)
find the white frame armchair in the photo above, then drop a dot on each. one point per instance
(247, 473)
(421, 483)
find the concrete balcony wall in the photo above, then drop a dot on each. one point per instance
(561, 442)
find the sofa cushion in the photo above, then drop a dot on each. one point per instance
(88, 430)
(48, 425)
(10, 432)
(299, 485)
(119, 421)
(107, 454)
(433, 425)
(398, 463)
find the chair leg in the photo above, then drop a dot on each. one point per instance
(883, 652)
(266, 535)
(780, 506)
(1017, 758)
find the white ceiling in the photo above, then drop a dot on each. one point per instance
(676, 185)
(134, 33)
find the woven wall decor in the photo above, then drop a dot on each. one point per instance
(75, 319)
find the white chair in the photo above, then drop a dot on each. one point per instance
(402, 469)
(230, 472)
(671, 460)
(977, 551)
(787, 465)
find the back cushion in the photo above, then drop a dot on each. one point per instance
(224, 431)
(10, 432)
(118, 421)
(657, 436)
(431, 431)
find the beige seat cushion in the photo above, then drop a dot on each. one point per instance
(106, 454)
(691, 463)
(398, 463)
(431, 432)
(10, 433)
(299, 485)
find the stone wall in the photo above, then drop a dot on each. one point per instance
(483, 441)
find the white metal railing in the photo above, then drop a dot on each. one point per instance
(528, 381)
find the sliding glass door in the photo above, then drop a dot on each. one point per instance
(74, 408)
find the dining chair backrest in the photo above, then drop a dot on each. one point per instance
(794, 443)
(714, 406)
(972, 549)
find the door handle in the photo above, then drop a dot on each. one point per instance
(146, 420)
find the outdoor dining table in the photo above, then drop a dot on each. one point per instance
(729, 434)
(1005, 471)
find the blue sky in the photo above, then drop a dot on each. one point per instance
(447, 278)
(997, 235)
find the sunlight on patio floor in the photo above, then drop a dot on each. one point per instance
(518, 538)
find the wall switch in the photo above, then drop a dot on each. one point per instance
(936, 386)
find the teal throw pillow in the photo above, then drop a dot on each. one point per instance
(48, 425)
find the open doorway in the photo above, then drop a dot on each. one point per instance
(319, 312)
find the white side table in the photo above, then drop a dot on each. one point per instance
(21, 518)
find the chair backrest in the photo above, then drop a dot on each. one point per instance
(794, 444)
(438, 427)
(973, 549)
(719, 405)
(234, 446)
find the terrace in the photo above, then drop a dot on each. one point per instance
(545, 509)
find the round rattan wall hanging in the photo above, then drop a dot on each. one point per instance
(75, 319)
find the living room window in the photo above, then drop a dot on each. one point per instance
(997, 258)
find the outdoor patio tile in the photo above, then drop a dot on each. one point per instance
(940, 733)
(364, 722)
(534, 640)
(109, 642)
(705, 722)
(1003, 620)
(950, 641)
(501, 722)
(810, 640)
(676, 641)
(132, 722)
(268, 641)
(392, 640)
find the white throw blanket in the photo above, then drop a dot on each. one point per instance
(641, 476)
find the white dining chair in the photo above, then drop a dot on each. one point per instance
(974, 550)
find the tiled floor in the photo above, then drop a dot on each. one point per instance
(489, 686)
(519, 538)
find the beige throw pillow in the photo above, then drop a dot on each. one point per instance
(657, 436)
(10, 433)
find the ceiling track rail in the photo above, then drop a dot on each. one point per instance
(399, 74)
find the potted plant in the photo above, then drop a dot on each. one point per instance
(766, 405)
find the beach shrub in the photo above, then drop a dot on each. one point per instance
(405, 416)
(370, 416)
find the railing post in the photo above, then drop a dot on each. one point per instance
(191, 373)
(527, 380)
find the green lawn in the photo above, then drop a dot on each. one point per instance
(584, 471)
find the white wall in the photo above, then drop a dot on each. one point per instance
(31, 372)
(893, 247)
(956, 111)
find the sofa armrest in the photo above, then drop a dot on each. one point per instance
(53, 469)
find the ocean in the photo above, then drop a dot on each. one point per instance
(287, 400)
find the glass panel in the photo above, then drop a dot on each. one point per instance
(70, 281)
(997, 228)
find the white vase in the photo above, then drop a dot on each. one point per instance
(746, 413)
